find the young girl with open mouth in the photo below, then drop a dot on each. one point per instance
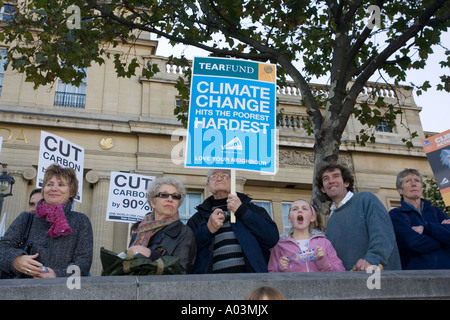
(305, 249)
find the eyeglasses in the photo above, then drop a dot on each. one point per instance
(167, 195)
(216, 176)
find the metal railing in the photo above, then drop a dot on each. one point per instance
(69, 99)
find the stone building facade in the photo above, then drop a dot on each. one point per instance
(128, 125)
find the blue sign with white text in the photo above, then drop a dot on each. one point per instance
(232, 115)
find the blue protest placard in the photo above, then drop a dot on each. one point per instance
(232, 115)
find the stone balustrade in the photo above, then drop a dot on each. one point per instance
(422, 284)
(371, 90)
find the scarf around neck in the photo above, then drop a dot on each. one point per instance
(149, 226)
(55, 215)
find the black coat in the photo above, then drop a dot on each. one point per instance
(255, 231)
(177, 240)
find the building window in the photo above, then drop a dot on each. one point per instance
(6, 12)
(181, 112)
(394, 204)
(2, 67)
(285, 206)
(187, 209)
(384, 126)
(68, 95)
(266, 205)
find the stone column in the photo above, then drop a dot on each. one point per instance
(240, 182)
(103, 230)
(18, 202)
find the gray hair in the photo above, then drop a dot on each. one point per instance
(403, 174)
(159, 182)
(211, 171)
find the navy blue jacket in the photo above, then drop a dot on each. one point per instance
(429, 250)
(255, 231)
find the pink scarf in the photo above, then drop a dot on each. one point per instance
(56, 216)
(149, 226)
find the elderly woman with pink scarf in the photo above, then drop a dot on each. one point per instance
(58, 237)
(161, 232)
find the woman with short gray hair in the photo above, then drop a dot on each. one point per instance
(403, 174)
(161, 232)
(422, 230)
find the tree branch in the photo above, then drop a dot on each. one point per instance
(381, 58)
(356, 47)
(186, 41)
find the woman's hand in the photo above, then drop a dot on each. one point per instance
(418, 229)
(27, 264)
(140, 249)
(46, 274)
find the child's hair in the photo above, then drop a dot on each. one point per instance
(317, 224)
(270, 293)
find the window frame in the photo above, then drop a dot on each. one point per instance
(68, 95)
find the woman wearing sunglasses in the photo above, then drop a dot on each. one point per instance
(161, 232)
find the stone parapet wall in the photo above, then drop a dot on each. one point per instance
(327, 285)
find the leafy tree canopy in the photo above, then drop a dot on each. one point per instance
(338, 39)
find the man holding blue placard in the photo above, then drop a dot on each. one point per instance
(231, 125)
(224, 247)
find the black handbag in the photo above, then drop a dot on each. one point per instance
(113, 265)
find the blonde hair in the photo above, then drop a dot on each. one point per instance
(269, 293)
